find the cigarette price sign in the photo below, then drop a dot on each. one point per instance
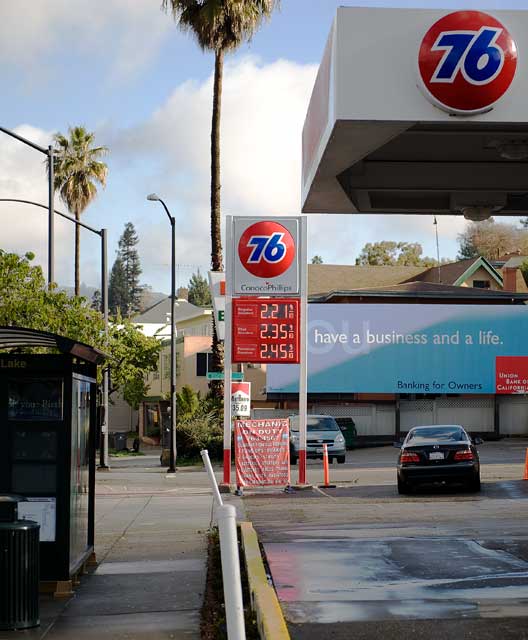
(266, 330)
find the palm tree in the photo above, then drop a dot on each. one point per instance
(77, 171)
(219, 26)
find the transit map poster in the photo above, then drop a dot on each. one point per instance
(411, 348)
(262, 452)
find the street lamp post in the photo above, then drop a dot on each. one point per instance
(172, 451)
(102, 233)
(51, 197)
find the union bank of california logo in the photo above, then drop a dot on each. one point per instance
(466, 62)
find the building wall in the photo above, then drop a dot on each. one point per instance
(482, 274)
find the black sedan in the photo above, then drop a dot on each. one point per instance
(440, 453)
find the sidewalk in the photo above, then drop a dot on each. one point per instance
(151, 536)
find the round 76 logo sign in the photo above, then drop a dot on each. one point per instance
(467, 61)
(266, 255)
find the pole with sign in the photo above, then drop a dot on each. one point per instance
(265, 306)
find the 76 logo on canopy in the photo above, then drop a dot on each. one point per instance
(467, 61)
(476, 55)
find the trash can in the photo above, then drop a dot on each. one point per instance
(19, 567)
(117, 440)
(348, 428)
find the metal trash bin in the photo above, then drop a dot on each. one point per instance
(19, 567)
(117, 440)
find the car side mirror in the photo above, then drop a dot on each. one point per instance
(397, 445)
(344, 428)
(478, 440)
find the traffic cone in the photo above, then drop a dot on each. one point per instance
(326, 470)
(526, 467)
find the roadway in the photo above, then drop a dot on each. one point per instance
(362, 561)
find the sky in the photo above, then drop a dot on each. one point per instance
(123, 69)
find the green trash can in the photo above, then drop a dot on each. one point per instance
(349, 431)
(19, 567)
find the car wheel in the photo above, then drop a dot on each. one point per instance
(403, 487)
(341, 459)
(474, 485)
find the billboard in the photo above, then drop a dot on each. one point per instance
(392, 348)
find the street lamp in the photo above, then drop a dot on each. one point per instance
(102, 233)
(172, 454)
(51, 195)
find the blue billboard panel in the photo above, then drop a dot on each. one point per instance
(397, 348)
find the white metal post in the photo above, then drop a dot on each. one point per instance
(303, 368)
(227, 349)
(208, 467)
(226, 516)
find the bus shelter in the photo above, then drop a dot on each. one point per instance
(48, 415)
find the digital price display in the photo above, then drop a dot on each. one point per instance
(266, 330)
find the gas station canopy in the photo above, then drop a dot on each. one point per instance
(419, 111)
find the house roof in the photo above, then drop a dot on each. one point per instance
(323, 278)
(423, 290)
(160, 312)
(455, 273)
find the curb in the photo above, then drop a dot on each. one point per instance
(264, 601)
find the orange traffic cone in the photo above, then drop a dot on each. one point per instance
(326, 470)
(526, 467)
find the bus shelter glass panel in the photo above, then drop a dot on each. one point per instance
(80, 428)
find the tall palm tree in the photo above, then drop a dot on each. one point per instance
(78, 170)
(219, 26)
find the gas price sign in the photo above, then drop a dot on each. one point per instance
(266, 330)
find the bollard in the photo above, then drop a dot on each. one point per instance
(214, 486)
(526, 467)
(226, 517)
(326, 471)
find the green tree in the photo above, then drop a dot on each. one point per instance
(26, 302)
(492, 239)
(199, 293)
(96, 300)
(317, 260)
(219, 26)
(131, 264)
(388, 252)
(78, 170)
(117, 290)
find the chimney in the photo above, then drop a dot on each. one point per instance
(183, 293)
(509, 279)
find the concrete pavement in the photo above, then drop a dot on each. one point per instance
(151, 534)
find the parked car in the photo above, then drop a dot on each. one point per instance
(348, 427)
(320, 429)
(438, 453)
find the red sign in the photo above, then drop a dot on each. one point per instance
(265, 330)
(467, 61)
(266, 249)
(511, 374)
(262, 452)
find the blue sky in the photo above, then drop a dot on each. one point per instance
(124, 70)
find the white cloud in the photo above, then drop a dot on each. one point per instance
(24, 227)
(127, 34)
(263, 111)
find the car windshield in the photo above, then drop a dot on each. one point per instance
(315, 424)
(443, 434)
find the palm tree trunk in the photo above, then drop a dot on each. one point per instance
(77, 253)
(216, 238)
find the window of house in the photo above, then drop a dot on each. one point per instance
(204, 363)
(167, 365)
(481, 284)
